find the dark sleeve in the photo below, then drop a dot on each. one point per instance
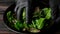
(54, 8)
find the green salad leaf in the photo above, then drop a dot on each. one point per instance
(37, 24)
(48, 16)
(40, 23)
(18, 25)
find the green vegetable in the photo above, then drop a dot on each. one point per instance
(36, 24)
(40, 23)
(25, 25)
(48, 16)
(24, 13)
(9, 14)
(33, 24)
(18, 25)
(47, 12)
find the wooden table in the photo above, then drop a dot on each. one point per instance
(3, 28)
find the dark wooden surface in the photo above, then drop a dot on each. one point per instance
(4, 4)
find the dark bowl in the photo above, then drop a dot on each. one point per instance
(48, 30)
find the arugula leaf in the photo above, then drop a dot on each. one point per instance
(48, 16)
(40, 23)
(45, 10)
(18, 25)
(9, 14)
(25, 25)
(24, 13)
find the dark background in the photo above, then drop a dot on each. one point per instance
(4, 4)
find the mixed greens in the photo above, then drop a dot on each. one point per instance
(37, 24)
